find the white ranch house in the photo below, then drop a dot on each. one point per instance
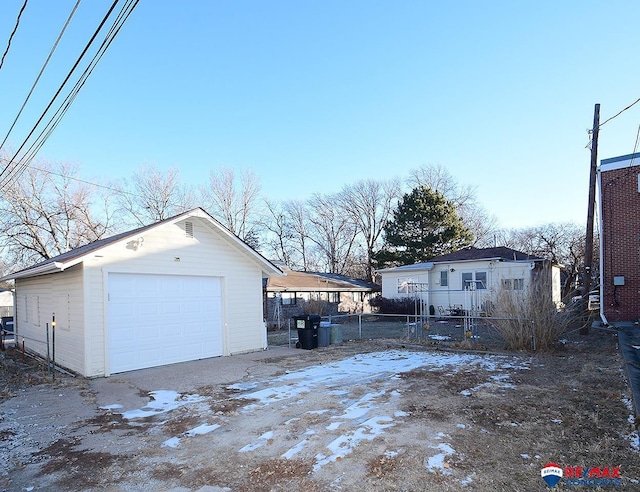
(465, 280)
(182, 289)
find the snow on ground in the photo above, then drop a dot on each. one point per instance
(360, 420)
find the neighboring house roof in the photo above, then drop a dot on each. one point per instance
(295, 281)
(77, 255)
(500, 253)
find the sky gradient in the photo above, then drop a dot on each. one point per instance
(315, 95)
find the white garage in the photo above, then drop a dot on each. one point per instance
(162, 319)
(179, 290)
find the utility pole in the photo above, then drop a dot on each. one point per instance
(588, 246)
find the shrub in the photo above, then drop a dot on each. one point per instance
(315, 306)
(530, 319)
(404, 305)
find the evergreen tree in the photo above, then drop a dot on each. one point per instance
(424, 225)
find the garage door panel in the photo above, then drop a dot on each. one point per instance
(163, 319)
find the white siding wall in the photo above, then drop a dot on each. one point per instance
(453, 293)
(37, 300)
(204, 254)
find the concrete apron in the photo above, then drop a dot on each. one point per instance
(131, 389)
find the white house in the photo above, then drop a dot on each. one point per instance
(182, 289)
(465, 279)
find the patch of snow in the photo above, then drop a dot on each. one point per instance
(310, 432)
(369, 367)
(361, 407)
(637, 347)
(202, 430)
(466, 481)
(400, 413)
(525, 456)
(439, 337)
(262, 440)
(556, 421)
(172, 442)
(243, 386)
(391, 454)
(344, 444)
(435, 463)
(334, 425)
(465, 392)
(163, 401)
(291, 452)
(461, 426)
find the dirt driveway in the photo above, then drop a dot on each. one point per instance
(375, 415)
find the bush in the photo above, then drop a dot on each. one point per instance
(530, 319)
(403, 305)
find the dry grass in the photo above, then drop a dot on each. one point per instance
(530, 319)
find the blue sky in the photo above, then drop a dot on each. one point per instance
(314, 95)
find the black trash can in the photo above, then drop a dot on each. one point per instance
(307, 326)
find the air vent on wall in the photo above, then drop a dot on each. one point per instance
(188, 229)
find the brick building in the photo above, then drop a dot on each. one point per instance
(619, 185)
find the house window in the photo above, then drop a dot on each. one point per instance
(334, 297)
(444, 278)
(406, 286)
(513, 284)
(288, 298)
(477, 279)
(467, 280)
(481, 280)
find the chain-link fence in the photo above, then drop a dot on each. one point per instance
(422, 329)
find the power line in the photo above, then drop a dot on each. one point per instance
(24, 5)
(44, 66)
(64, 107)
(44, 134)
(619, 112)
(590, 131)
(75, 65)
(91, 183)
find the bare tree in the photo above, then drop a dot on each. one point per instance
(47, 211)
(563, 244)
(277, 233)
(333, 232)
(297, 213)
(235, 203)
(369, 204)
(154, 195)
(483, 225)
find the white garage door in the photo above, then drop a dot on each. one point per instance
(162, 319)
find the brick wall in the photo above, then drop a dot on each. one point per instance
(620, 232)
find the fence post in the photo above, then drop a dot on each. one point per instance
(533, 335)
(48, 358)
(53, 345)
(360, 326)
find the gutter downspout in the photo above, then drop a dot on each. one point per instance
(601, 244)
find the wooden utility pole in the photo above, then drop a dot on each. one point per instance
(588, 246)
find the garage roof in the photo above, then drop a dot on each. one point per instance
(77, 255)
